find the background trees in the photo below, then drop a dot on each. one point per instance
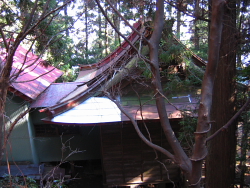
(65, 39)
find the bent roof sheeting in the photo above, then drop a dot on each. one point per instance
(95, 78)
(54, 93)
(35, 76)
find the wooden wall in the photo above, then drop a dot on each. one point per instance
(128, 160)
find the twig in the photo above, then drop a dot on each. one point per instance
(230, 122)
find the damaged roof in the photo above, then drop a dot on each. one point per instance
(60, 90)
(94, 80)
(83, 106)
(101, 110)
(30, 75)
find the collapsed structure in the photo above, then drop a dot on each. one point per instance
(76, 122)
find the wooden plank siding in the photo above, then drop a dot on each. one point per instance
(127, 160)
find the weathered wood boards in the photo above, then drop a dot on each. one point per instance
(127, 160)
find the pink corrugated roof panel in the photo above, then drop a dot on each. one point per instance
(54, 93)
(35, 76)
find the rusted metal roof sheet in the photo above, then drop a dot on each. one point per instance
(84, 75)
(149, 112)
(35, 75)
(54, 93)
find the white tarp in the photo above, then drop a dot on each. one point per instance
(93, 110)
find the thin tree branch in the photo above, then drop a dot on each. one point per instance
(144, 139)
(35, 77)
(20, 116)
(230, 122)
(4, 39)
(125, 20)
(28, 23)
(23, 34)
(120, 34)
(186, 12)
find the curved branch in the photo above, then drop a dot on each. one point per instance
(144, 139)
(12, 126)
(230, 121)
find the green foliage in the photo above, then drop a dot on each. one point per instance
(51, 37)
(186, 134)
(199, 40)
(69, 75)
(17, 182)
(21, 181)
(202, 51)
(172, 54)
(145, 68)
(7, 16)
(244, 74)
(193, 78)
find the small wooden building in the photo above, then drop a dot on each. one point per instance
(77, 115)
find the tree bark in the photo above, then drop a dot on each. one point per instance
(65, 10)
(86, 32)
(4, 85)
(116, 19)
(220, 163)
(191, 167)
(180, 156)
(178, 27)
(204, 115)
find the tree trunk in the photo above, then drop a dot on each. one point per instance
(3, 94)
(86, 32)
(220, 163)
(196, 38)
(178, 27)
(243, 152)
(106, 34)
(99, 29)
(116, 20)
(65, 9)
(180, 156)
(4, 85)
(204, 113)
